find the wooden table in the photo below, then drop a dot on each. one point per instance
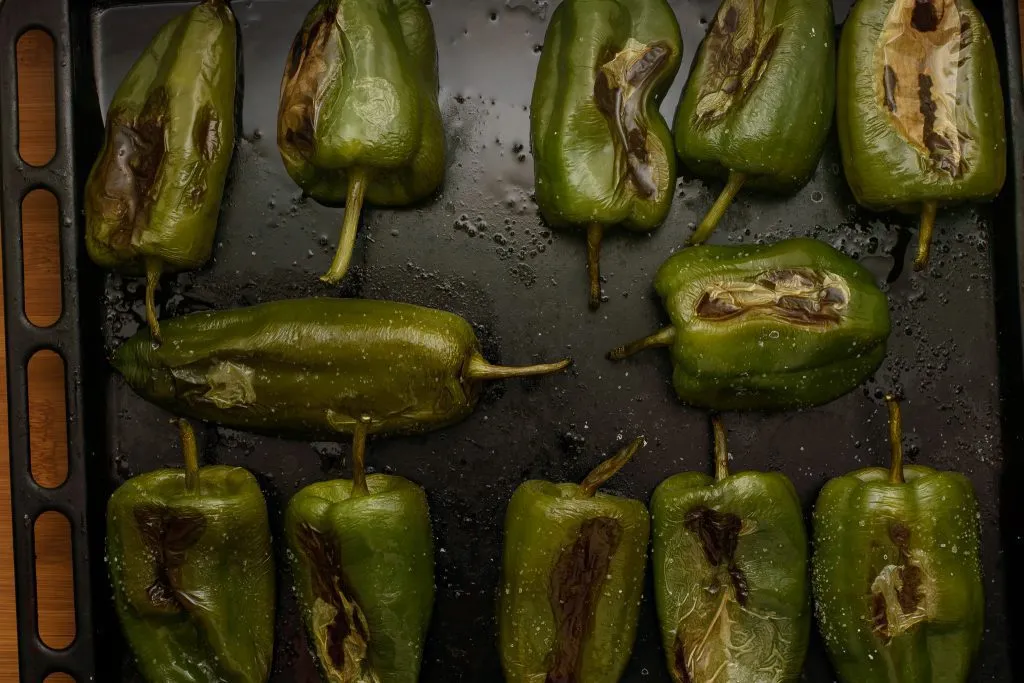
(57, 626)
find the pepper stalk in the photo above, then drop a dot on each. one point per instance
(190, 453)
(357, 182)
(895, 440)
(718, 209)
(609, 468)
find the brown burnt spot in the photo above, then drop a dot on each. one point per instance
(680, 674)
(731, 20)
(205, 134)
(879, 618)
(719, 533)
(167, 535)
(575, 587)
(891, 84)
(940, 148)
(796, 296)
(909, 594)
(925, 17)
(309, 61)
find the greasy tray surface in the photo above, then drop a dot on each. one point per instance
(480, 250)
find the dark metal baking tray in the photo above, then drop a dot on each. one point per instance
(480, 249)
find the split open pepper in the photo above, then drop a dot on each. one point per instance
(362, 560)
(153, 196)
(896, 572)
(920, 109)
(358, 117)
(730, 574)
(768, 327)
(602, 152)
(193, 572)
(317, 368)
(572, 579)
(758, 105)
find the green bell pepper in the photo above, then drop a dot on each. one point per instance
(362, 559)
(572, 579)
(602, 151)
(358, 116)
(153, 196)
(768, 327)
(730, 574)
(317, 368)
(896, 572)
(193, 572)
(920, 109)
(758, 105)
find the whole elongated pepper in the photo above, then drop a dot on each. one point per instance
(791, 324)
(920, 109)
(362, 559)
(154, 194)
(317, 368)
(730, 574)
(359, 118)
(193, 572)
(602, 152)
(572, 579)
(897, 578)
(758, 105)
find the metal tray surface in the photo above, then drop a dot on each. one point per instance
(480, 249)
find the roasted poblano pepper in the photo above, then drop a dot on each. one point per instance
(362, 560)
(358, 117)
(758, 105)
(730, 574)
(920, 109)
(896, 572)
(572, 579)
(793, 324)
(153, 196)
(317, 368)
(602, 151)
(193, 572)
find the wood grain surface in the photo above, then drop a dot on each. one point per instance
(47, 418)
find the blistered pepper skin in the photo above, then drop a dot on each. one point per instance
(758, 105)
(768, 327)
(897, 576)
(365, 561)
(316, 367)
(603, 154)
(920, 107)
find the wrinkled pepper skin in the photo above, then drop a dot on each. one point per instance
(602, 152)
(154, 194)
(363, 566)
(920, 108)
(758, 105)
(572, 579)
(193, 573)
(359, 117)
(896, 573)
(316, 367)
(768, 327)
(730, 575)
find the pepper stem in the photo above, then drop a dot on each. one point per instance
(191, 454)
(594, 234)
(353, 209)
(721, 448)
(362, 430)
(895, 440)
(724, 201)
(608, 469)
(924, 238)
(153, 271)
(663, 337)
(479, 369)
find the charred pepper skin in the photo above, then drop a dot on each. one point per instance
(602, 152)
(154, 194)
(773, 327)
(916, 138)
(317, 368)
(362, 560)
(359, 118)
(896, 572)
(192, 568)
(758, 105)
(572, 579)
(730, 574)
